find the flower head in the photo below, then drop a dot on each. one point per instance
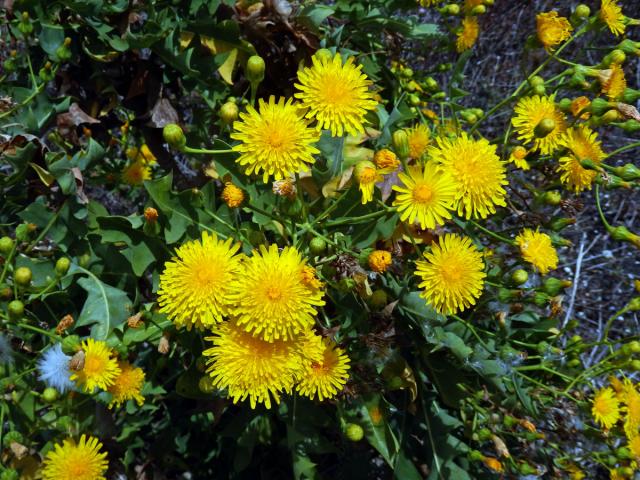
(426, 194)
(634, 446)
(605, 408)
(76, 461)
(385, 159)
(452, 275)
(6, 352)
(530, 112)
(142, 154)
(127, 386)
(272, 294)
(494, 464)
(519, 157)
(195, 284)
(232, 195)
(136, 173)
(552, 29)
(631, 399)
(367, 175)
(99, 368)
(468, 34)
(582, 144)
(537, 249)
(379, 260)
(611, 15)
(419, 138)
(327, 376)
(336, 94)
(580, 107)
(249, 367)
(284, 188)
(613, 81)
(275, 140)
(53, 367)
(477, 172)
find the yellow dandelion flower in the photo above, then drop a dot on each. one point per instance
(232, 195)
(617, 386)
(142, 154)
(275, 140)
(611, 14)
(195, 284)
(127, 386)
(136, 173)
(367, 175)
(477, 172)
(326, 377)
(309, 277)
(418, 138)
(426, 194)
(273, 300)
(336, 94)
(537, 249)
(613, 81)
(99, 370)
(452, 274)
(631, 400)
(493, 464)
(634, 447)
(580, 107)
(249, 367)
(575, 473)
(582, 144)
(519, 158)
(605, 408)
(552, 29)
(468, 34)
(379, 260)
(75, 461)
(385, 159)
(530, 113)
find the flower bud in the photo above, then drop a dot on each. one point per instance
(553, 286)
(6, 245)
(630, 96)
(431, 83)
(400, 141)
(205, 384)
(536, 80)
(229, 112)
(378, 299)
(232, 195)
(552, 197)
(255, 69)
(599, 106)
(354, 432)
(630, 47)
(50, 395)
(62, 266)
(22, 276)
(362, 170)
(451, 9)
(323, 54)
(615, 56)
(63, 52)
(15, 310)
(25, 26)
(582, 11)
(544, 127)
(634, 306)
(558, 224)
(174, 136)
(406, 72)
(519, 277)
(623, 234)
(150, 215)
(317, 246)
(610, 116)
(71, 344)
(479, 10)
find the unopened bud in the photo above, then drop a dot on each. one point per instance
(400, 141)
(229, 112)
(255, 69)
(150, 215)
(544, 128)
(174, 136)
(324, 55)
(582, 11)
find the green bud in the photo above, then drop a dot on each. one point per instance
(479, 10)
(634, 365)
(505, 295)
(71, 344)
(626, 472)
(553, 286)
(526, 469)
(378, 299)
(552, 197)
(431, 83)
(354, 432)
(536, 80)
(50, 395)
(565, 104)
(15, 309)
(559, 223)
(630, 47)
(628, 172)
(84, 260)
(622, 233)
(22, 276)
(174, 136)
(451, 9)
(317, 246)
(599, 106)
(25, 26)
(229, 112)
(541, 299)
(9, 65)
(509, 421)
(6, 245)
(615, 56)
(519, 277)
(484, 434)
(634, 346)
(9, 474)
(406, 72)
(544, 127)
(324, 54)
(574, 363)
(346, 285)
(582, 11)
(634, 304)
(62, 266)
(255, 69)
(610, 116)
(11, 437)
(63, 52)
(400, 142)
(475, 456)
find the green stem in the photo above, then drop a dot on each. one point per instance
(206, 150)
(8, 260)
(352, 220)
(26, 326)
(623, 149)
(609, 324)
(599, 208)
(491, 234)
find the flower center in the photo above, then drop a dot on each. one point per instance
(93, 364)
(422, 193)
(77, 469)
(451, 273)
(368, 175)
(334, 92)
(274, 293)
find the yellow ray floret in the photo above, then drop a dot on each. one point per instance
(582, 144)
(99, 368)
(127, 386)
(611, 14)
(605, 407)
(537, 249)
(195, 284)
(468, 34)
(72, 460)
(452, 274)
(275, 140)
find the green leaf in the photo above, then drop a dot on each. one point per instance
(51, 38)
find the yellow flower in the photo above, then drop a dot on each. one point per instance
(611, 14)
(583, 144)
(385, 159)
(326, 377)
(195, 284)
(634, 447)
(537, 249)
(493, 464)
(613, 81)
(99, 368)
(580, 106)
(530, 112)
(232, 195)
(419, 139)
(631, 399)
(75, 461)
(273, 298)
(367, 175)
(552, 29)
(127, 386)
(477, 172)
(248, 366)
(468, 34)
(379, 260)
(426, 195)
(275, 140)
(452, 275)
(136, 173)
(574, 472)
(519, 158)
(337, 95)
(605, 408)
(142, 154)
(284, 188)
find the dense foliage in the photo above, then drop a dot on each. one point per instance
(246, 239)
